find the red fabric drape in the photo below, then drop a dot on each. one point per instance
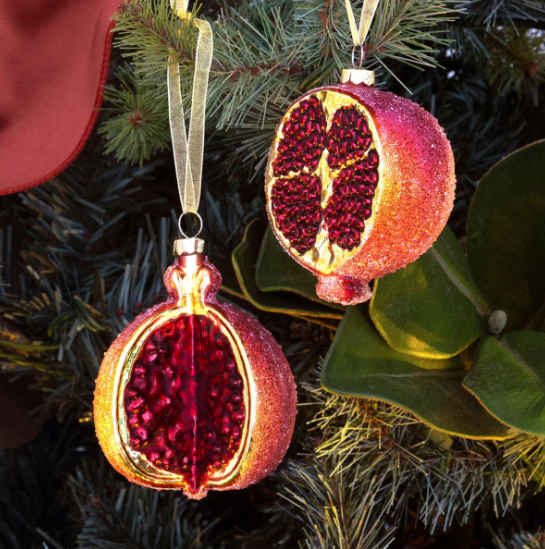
(54, 57)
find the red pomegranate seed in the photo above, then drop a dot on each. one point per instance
(348, 137)
(353, 201)
(296, 208)
(182, 430)
(297, 149)
(296, 201)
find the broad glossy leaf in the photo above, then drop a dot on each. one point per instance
(277, 271)
(506, 236)
(508, 377)
(331, 323)
(360, 363)
(229, 281)
(431, 308)
(244, 262)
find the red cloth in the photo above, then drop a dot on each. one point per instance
(54, 57)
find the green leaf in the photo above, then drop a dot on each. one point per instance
(431, 308)
(277, 271)
(229, 281)
(35, 347)
(508, 377)
(505, 236)
(244, 262)
(360, 363)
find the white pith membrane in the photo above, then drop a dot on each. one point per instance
(325, 256)
(136, 460)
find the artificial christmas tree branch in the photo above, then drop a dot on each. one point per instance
(83, 254)
(352, 443)
(263, 56)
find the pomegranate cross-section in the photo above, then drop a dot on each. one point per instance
(184, 400)
(194, 395)
(360, 182)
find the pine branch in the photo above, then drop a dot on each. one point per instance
(264, 55)
(116, 515)
(523, 540)
(406, 468)
(516, 62)
(408, 32)
(338, 510)
(137, 127)
(493, 13)
(528, 450)
(68, 297)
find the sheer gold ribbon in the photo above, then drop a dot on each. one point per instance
(359, 34)
(188, 151)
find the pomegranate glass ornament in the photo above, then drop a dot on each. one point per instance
(194, 395)
(360, 182)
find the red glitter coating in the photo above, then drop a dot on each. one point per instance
(347, 290)
(303, 139)
(296, 206)
(184, 400)
(412, 201)
(272, 391)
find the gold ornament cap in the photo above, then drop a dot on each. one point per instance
(358, 76)
(185, 246)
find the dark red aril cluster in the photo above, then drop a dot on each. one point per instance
(296, 201)
(348, 137)
(296, 208)
(303, 139)
(351, 201)
(184, 399)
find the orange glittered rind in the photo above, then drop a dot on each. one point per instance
(276, 398)
(273, 396)
(413, 200)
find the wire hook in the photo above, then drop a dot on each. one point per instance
(361, 59)
(180, 225)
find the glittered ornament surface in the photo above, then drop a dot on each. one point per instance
(360, 182)
(194, 395)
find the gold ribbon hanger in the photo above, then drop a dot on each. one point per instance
(359, 34)
(188, 151)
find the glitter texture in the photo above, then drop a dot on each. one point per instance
(184, 399)
(259, 435)
(413, 183)
(296, 207)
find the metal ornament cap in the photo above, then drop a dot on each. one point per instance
(405, 204)
(358, 76)
(262, 377)
(188, 246)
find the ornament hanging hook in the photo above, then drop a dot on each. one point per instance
(180, 225)
(361, 59)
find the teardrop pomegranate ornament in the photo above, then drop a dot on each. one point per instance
(360, 182)
(194, 395)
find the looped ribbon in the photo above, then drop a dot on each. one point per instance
(359, 34)
(188, 151)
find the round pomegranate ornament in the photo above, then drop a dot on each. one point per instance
(360, 182)
(194, 395)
